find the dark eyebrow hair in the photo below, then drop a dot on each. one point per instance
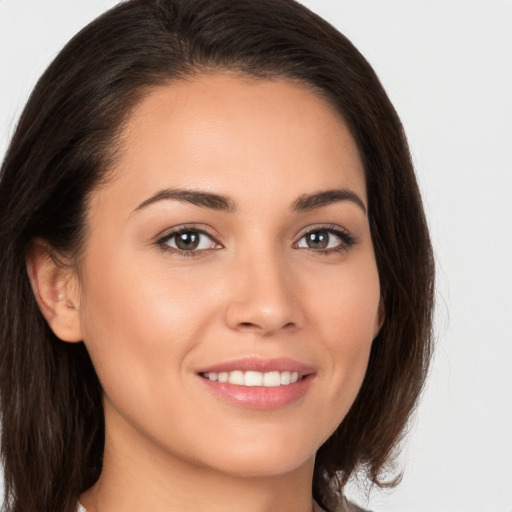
(318, 199)
(205, 199)
(197, 197)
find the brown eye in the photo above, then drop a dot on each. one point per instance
(326, 240)
(189, 240)
(317, 239)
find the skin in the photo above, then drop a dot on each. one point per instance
(152, 317)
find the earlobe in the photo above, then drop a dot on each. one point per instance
(56, 291)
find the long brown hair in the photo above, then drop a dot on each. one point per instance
(63, 147)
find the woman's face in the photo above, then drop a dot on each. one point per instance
(231, 244)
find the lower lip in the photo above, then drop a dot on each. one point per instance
(260, 397)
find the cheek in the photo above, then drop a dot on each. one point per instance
(347, 305)
(347, 321)
(140, 320)
(140, 293)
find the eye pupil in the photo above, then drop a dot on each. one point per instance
(318, 240)
(187, 241)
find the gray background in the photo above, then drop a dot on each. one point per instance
(447, 67)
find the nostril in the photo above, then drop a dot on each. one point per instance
(262, 316)
(246, 326)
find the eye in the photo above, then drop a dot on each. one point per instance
(326, 240)
(188, 241)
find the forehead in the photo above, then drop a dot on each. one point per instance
(234, 136)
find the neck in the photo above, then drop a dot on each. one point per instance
(139, 476)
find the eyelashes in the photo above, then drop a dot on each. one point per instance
(326, 239)
(192, 241)
(188, 241)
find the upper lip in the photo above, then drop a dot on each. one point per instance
(256, 364)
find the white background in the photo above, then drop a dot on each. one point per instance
(447, 66)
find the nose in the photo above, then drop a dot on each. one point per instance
(264, 297)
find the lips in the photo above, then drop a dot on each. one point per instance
(260, 365)
(259, 383)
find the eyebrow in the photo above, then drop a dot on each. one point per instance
(308, 202)
(196, 197)
(219, 202)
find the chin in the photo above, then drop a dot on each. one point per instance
(263, 456)
(252, 467)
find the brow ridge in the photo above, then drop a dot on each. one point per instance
(315, 200)
(196, 197)
(204, 199)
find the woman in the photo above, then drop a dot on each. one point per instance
(216, 272)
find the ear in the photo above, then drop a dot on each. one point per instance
(56, 290)
(379, 320)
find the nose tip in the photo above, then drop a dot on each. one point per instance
(263, 301)
(250, 316)
(267, 321)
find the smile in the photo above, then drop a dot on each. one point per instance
(253, 378)
(259, 383)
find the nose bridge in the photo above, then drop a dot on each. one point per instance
(263, 292)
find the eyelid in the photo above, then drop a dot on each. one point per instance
(348, 240)
(163, 237)
(180, 228)
(336, 228)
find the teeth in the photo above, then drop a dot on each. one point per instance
(251, 378)
(285, 378)
(271, 379)
(236, 377)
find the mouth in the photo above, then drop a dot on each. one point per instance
(258, 383)
(253, 379)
